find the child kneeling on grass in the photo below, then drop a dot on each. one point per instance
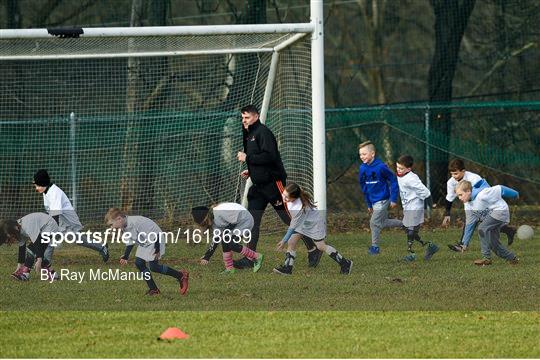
(306, 220)
(151, 247)
(413, 193)
(485, 204)
(31, 226)
(230, 223)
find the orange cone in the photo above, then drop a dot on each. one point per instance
(173, 333)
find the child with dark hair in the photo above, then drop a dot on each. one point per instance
(59, 207)
(32, 227)
(307, 221)
(229, 224)
(413, 193)
(456, 167)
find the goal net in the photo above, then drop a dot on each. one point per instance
(147, 123)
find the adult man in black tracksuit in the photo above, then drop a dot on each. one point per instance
(265, 168)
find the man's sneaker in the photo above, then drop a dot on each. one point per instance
(243, 263)
(105, 253)
(510, 233)
(514, 261)
(184, 282)
(153, 292)
(228, 271)
(22, 274)
(346, 267)
(283, 270)
(258, 263)
(409, 257)
(457, 247)
(430, 251)
(482, 262)
(314, 257)
(374, 250)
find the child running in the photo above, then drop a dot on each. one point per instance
(458, 173)
(151, 247)
(485, 204)
(306, 220)
(380, 189)
(229, 222)
(59, 207)
(413, 193)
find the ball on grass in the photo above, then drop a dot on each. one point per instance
(525, 232)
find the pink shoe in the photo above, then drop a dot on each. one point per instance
(23, 274)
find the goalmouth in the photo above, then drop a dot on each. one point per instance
(148, 117)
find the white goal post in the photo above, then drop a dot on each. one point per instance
(22, 53)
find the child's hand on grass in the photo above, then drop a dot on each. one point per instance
(280, 246)
(446, 222)
(203, 261)
(123, 261)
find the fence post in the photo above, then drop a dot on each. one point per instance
(428, 155)
(73, 158)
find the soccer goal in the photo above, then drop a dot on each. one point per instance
(148, 118)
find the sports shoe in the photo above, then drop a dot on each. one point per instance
(243, 263)
(153, 292)
(374, 250)
(482, 262)
(105, 253)
(228, 271)
(258, 263)
(314, 257)
(514, 261)
(511, 233)
(22, 274)
(430, 251)
(346, 267)
(457, 247)
(410, 257)
(283, 270)
(184, 282)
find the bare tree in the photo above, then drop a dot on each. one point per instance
(451, 18)
(129, 178)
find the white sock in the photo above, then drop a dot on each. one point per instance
(289, 258)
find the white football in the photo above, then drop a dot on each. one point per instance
(525, 232)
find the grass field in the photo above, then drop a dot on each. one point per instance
(443, 308)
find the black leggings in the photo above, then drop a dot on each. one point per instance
(233, 245)
(38, 249)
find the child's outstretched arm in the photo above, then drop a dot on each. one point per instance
(125, 257)
(509, 192)
(209, 252)
(468, 232)
(394, 187)
(363, 186)
(290, 232)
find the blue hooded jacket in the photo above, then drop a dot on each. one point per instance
(378, 182)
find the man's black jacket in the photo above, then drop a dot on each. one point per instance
(263, 159)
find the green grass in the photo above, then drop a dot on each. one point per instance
(272, 334)
(443, 308)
